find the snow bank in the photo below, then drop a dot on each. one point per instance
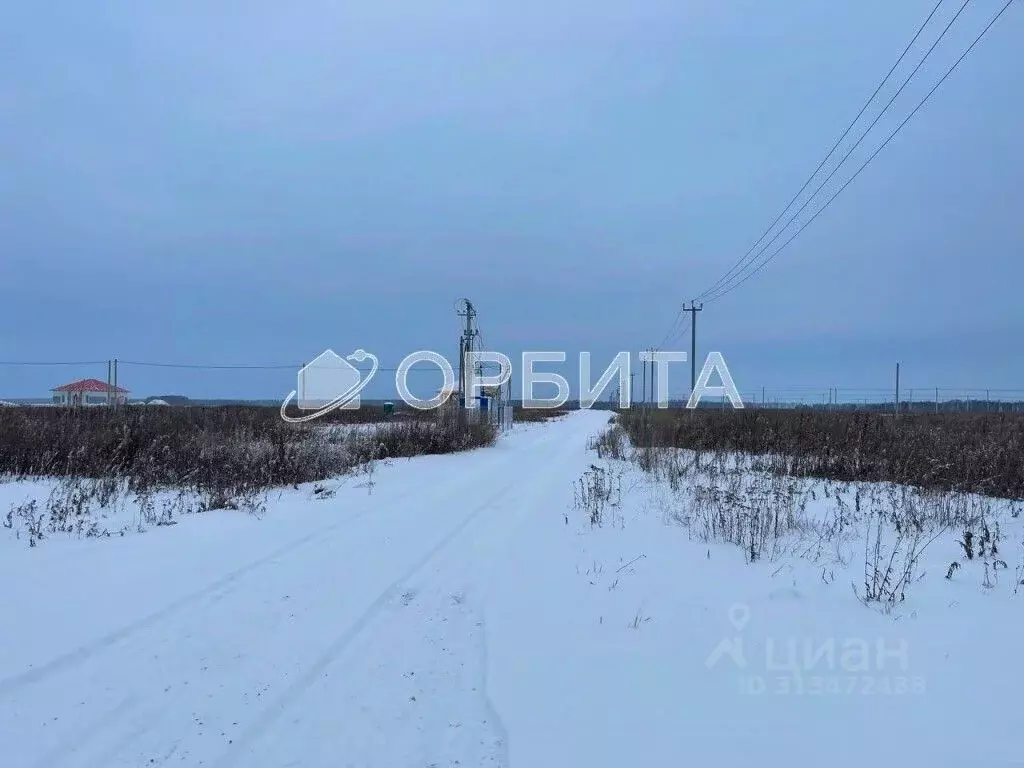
(635, 643)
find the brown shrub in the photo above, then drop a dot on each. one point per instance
(976, 453)
(220, 451)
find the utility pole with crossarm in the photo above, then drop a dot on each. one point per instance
(468, 312)
(693, 309)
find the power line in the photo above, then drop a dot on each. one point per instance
(31, 363)
(672, 328)
(739, 263)
(189, 366)
(679, 327)
(765, 262)
(725, 288)
(210, 367)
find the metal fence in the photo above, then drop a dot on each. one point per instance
(913, 400)
(22, 382)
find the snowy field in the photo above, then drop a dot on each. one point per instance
(464, 610)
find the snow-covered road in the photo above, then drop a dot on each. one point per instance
(344, 632)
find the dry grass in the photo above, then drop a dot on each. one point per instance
(975, 453)
(830, 487)
(223, 451)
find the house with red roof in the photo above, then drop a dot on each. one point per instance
(88, 392)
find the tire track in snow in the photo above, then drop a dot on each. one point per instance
(280, 704)
(86, 734)
(490, 537)
(157, 720)
(141, 722)
(84, 652)
(320, 537)
(502, 757)
(494, 717)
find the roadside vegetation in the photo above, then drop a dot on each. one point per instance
(971, 453)
(830, 487)
(167, 461)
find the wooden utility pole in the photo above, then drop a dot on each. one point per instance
(652, 374)
(462, 362)
(468, 312)
(643, 383)
(693, 309)
(897, 388)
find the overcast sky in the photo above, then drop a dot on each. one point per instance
(254, 181)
